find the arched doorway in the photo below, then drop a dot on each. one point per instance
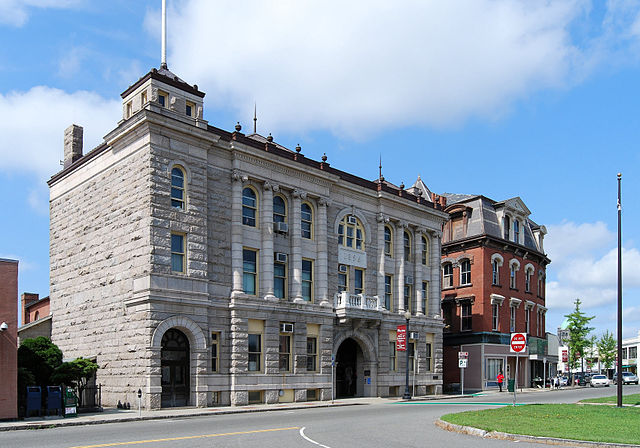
(175, 368)
(349, 361)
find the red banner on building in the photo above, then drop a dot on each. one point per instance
(401, 338)
(565, 355)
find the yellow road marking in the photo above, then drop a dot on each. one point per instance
(171, 439)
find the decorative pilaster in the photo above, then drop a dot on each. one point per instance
(321, 235)
(266, 254)
(399, 255)
(236, 233)
(380, 283)
(436, 274)
(417, 264)
(296, 246)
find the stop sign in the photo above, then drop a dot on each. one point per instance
(518, 342)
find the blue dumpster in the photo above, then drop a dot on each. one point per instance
(54, 399)
(34, 399)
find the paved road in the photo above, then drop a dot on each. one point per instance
(383, 424)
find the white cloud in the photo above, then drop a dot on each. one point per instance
(32, 126)
(16, 12)
(354, 67)
(569, 239)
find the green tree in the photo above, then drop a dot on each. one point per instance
(40, 357)
(578, 333)
(608, 348)
(76, 373)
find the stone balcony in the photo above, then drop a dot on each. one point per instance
(358, 306)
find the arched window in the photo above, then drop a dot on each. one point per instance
(351, 233)
(506, 225)
(249, 207)
(465, 272)
(447, 276)
(306, 220)
(279, 209)
(528, 274)
(495, 268)
(388, 241)
(407, 246)
(425, 251)
(514, 267)
(177, 187)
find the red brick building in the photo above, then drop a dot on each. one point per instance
(493, 267)
(9, 338)
(36, 317)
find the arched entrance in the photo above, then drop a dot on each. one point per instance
(349, 359)
(175, 368)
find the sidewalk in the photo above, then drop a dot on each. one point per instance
(113, 415)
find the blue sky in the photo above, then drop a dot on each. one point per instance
(500, 98)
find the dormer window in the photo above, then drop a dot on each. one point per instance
(506, 224)
(190, 109)
(516, 231)
(163, 98)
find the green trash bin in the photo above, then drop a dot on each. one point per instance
(70, 403)
(511, 385)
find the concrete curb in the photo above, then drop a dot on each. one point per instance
(524, 438)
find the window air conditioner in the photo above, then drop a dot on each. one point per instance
(342, 268)
(281, 257)
(286, 328)
(282, 227)
(408, 280)
(352, 220)
(414, 335)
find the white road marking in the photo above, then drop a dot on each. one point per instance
(312, 441)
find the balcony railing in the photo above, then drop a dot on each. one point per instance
(345, 299)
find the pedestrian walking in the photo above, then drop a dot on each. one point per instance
(500, 380)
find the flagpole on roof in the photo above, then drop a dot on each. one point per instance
(163, 62)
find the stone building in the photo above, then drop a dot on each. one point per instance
(209, 267)
(493, 284)
(9, 338)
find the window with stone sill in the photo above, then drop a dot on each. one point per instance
(163, 98)
(425, 297)
(178, 189)
(255, 352)
(190, 109)
(407, 246)
(178, 252)
(425, 251)
(306, 221)
(312, 354)
(506, 225)
(392, 356)
(513, 319)
(388, 241)
(351, 233)
(494, 316)
(307, 280)
(512, 277)
(447, 276)
(280, 280)
(388, 292)
(215, 352)
(284, 352)
(250, 271)
(465, 272)
(358, 281)
(465, 316)
(495, 272)
(516, 231)
(279, 209)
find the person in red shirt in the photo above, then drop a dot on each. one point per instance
(500, 380)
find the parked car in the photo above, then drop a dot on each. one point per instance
(579, 379)
(564, 381)
(599, 380)
(627, 378)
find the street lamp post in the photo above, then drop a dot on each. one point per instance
(407, 395)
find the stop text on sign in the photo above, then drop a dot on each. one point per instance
(518, 342)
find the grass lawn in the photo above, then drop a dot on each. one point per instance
(567, 421)
(626, 399)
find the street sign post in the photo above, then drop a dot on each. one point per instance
(462, 363)
(517, 345)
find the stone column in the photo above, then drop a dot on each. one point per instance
(322, 269)
(296, 246)
(380, 283)
(239, 357)
(236, 233)
(201, 384)
(436, 273)
(417, 263)
(399, 255)
(266, 253)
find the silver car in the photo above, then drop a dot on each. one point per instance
(599, 380)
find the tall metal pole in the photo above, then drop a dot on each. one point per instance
(163, 61)
(407, 395)
(619, 292)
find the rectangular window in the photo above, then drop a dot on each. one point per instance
(255, 352)
(284, 353)
(306, 221)
(163, 98)
(408, 297)
(388, 292)
(129, 109)
(425, 297)
(493, 368)
(250, 271)
(512, 277)
(527, 281)
(279, 280)
(312, 394)
(428, 357)
(513, 319)
(465, 272)
(312, 354)
(215, 351)
(190, 109)
(177, 252)
(516, 231)
(359, 281)
(494, 316)
(307, 280)
(425, 251)
(343, 279)
(527, 319)
(495, 273)
(255, 397)
(465, 316)
(447, 276)
(633, 352)
(411, 346)
(506, 224)
(143, 98)
(392, 356)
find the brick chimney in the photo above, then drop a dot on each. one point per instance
(28, 299)
(72, 144)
